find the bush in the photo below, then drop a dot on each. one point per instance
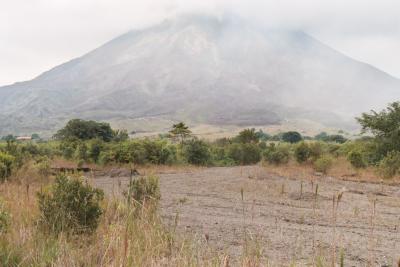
(323, 164)
(316, 151)
(244, 153)
(6, 162)
(356, 159)
(302, 152)
(277, 154)
(143, 189)
(4, 219)
(43, 166)
(196, 152)
(70, 206)
(390, 165)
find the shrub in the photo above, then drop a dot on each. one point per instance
(143, 189)
(390, 165)
(196, 152)
(159, 152)
(316, 150)
(4, 219)
(43, 166)
(356, 159)
(302, 152)
(6, 162)
(277, 154)
(95, 148)
(70, 206)
(323, 164)
(81, 152)
(244, 153)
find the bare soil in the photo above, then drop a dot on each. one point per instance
(282, 215)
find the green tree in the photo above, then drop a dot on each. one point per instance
(385, 126)
(181, 131)
(196, 152)
(85, 130)
(35, 136)
(247, 136)
(291, 137)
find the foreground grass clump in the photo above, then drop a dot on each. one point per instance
(323, 164)
(143, 189)
(70, 206)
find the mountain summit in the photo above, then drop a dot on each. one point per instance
(200, 69)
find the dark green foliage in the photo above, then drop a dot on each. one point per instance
(356, 159)
(9, 137)
(302, 152)
(244, 154)
(196, 152)
(385, 126)
(321, 136)
(262, 136)
(247, 136)
(70, 206)
(159, 152)
(6, 163)
(142, 190)
(94, 150)
(85, 130)
(35, 136)
(181, 131)
(262, 145)
(291, 137)
(276, 154)
(337, 138)
(141, 152)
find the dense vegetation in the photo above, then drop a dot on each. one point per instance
(96, 143)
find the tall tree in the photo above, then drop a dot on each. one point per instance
(181, 131)
(385, 126)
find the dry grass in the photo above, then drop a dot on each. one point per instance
(125, 237)
(341, 169)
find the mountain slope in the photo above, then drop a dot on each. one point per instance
(203, 70)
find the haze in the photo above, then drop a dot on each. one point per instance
(36, 35)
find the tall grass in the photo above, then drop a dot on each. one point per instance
(126, 236)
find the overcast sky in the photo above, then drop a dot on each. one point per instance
(36, 35)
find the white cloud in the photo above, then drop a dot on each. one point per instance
(36, 35)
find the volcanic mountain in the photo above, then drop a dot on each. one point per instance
(202, 70)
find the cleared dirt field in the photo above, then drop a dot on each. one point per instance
(282, 215)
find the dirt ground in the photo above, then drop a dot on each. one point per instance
(282, 215)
